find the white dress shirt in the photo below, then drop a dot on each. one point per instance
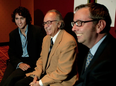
(54, 39)
(95, 47)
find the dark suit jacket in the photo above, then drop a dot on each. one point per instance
(34, 39)
(102, 68)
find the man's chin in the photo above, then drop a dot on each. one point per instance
(79, 41)
(48, 33)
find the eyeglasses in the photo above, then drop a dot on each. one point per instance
(48, 22)
(79, 22)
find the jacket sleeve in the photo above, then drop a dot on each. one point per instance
(38, 69)
(65, 64)
(12, 52)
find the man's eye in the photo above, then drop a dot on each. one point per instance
(79, 22)
(48, 22)
(22, 18)
(16, 18)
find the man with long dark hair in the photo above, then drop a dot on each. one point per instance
(24, 47)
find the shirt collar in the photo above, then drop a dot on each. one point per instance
(54, 38)
(25, 30)
(95, 47)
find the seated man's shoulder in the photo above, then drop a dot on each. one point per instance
(67, 36)
(14, 31)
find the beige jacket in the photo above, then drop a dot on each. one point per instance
(60, 69)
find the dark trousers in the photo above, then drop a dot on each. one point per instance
(24, 82)
(7, 73)
(13, 75)
(79, 84)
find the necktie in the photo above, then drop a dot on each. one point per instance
(89, 58)
(51, 45)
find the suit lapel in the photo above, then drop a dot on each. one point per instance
(29, 36)
(97, 54)
(100, 50)
(57, 42)
(46, 46)
(18, 41)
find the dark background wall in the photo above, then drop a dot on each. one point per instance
(38, 9)
(6, 9)
(64, 6)
(42, 6)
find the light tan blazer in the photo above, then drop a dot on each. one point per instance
(60, 69)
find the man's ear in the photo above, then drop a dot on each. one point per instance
(100, 26)
(59, 24)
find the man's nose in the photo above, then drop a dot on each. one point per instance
(74, 27)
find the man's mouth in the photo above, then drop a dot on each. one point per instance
(20, 25)
(78, 34)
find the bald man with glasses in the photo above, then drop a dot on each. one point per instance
(56, 65)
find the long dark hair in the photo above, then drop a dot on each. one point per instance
(22, 11)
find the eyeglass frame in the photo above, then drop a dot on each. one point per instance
(72, 23)
(49, 22)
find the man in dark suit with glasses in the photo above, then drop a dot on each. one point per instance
(92, 25)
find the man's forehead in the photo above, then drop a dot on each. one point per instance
(82, 13)
(18, 15)
(50, 16)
